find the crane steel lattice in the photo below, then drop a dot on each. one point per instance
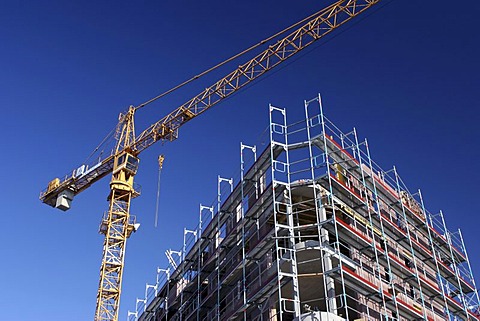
(118, 224)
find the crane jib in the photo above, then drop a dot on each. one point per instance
(320, 24)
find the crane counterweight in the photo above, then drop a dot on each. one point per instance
(64, 200)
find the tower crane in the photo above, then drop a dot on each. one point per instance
(117, 224)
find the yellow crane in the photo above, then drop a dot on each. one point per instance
(117, 225)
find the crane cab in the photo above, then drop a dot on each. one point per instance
(126, 162)
(124, 170)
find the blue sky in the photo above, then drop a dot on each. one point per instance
(406, 77)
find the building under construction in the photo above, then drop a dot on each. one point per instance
(314, 230)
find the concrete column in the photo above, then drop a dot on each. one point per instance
(327, 263)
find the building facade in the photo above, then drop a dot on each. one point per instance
(314, 230)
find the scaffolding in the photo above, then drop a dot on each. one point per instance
(314, 230)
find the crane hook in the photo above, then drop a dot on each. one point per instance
(161, 158)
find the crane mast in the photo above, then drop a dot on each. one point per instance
(117, 224)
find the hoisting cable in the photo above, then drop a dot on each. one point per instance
(161, 158)
(186, 82)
